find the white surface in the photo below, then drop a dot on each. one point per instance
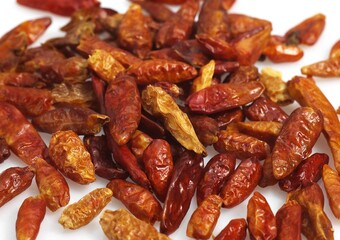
(283, 15)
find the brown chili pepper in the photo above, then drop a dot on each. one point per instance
(264, 109)
(301, 130)
(331, 181)
(133, 32)
(307, 93)
(315, 222)
(230, 116)
(308, 31)
(225, 67)
(13, 181)
(242, 145)
(276, 88)
(30, 216)
(124, 157)
(63, 7)
(160, 104)
(101, 158)
(179, 26)
(30, 101)
(241, 182)
(203, 220)
(123, 106)
(88, 45)
(138, 200)
(288, 221)
(120, 225)
(70, 70)
(83, 211)
(185, 177)
(19, 79)
(71, 158)
(244, 74)
(52, 185)
(158, 164)
(171, 88)
(22, 138)
(214, 175)
(206, 129)
(335, 50)
(138, 143)
(151, 126)
(105, 65)
(81, 120)
(221, 97)
(161, 70)
(4, 150)
(309, 170)
(260, 218)
(236, 230)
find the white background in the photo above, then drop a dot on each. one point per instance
(282, 14)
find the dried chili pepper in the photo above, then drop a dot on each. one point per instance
(21, 136)
(206, 129)
(81, 120)
(185, 177)
(241, 182)
(158, 11)
(214, 175)
(288, 221)
(158, 164)
(267, 178)
(30, 216)
(307, 93)
(205, 78)
(331, 181)
(52, 185)
(83, 211)
(236, 229)
(308, 31)
(63, 7)
(160, 104)
(242, 145)
(335, 50)
(138, 143)
(243, 74)
(301, 130)
(230, 116)
(14, 180)
(179, 26)
(138, 200)
(264, 109)
(120, 225)
(105, 65)
(260, 218)
(221, 97)
(161, 70)
(123, 106)
(30, 101)
(101, 158)
(133, 32)
(315, 222)
(19, 79)
(309, 170)
(203, 220)
(70, 156)
(326, 68)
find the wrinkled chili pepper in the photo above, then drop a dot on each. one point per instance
(4, 150)
(101, 158)
(138, 200)
(307, 93)
(52, 185)
(331, 181)
(123, 106)
(236, 229)
(301, 130)
(185, 177)
(30, 216)
(22, 138)
(13, 181)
